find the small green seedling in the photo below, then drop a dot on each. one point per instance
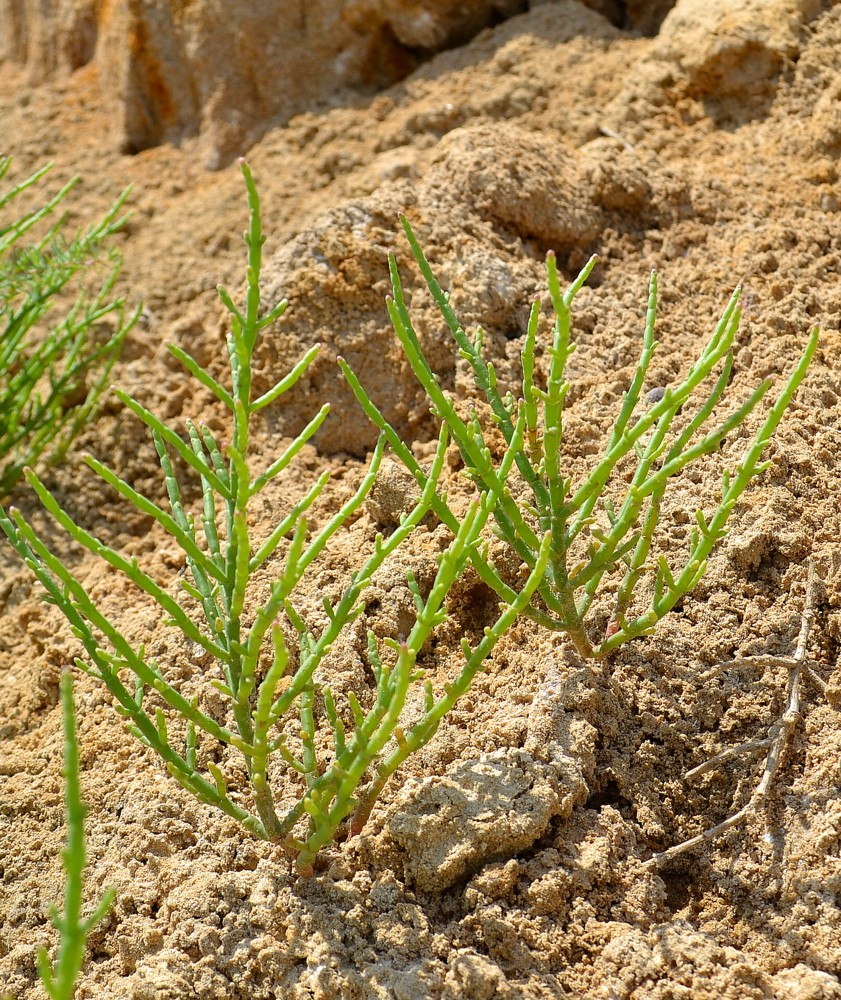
(59, 978)
(266, 654)
(591, 537)
(51, 380)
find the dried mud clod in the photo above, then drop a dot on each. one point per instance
(449, 827)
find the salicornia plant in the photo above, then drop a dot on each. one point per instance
(51, 379)
(268, 657)
(592, 537)
(59, 978)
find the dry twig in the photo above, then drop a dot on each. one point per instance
(779, 733)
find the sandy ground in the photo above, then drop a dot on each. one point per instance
(506, 859)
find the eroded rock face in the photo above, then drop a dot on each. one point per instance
(229, 71)
(50, 37)
(431, 25)
(181, 71)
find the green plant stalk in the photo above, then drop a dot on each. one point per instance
(64, 590)
(637, 563)
(646, 483)
(330, 798)
(11, 234)
(372, 733)
(606, 551)
(218, 576)
(329, 802)
(313, 650)
(67, 593)
(475, 452)
(59, 979)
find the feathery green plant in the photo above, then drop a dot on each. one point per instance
(588, 545)
(59, 979)
(51, 381)
(224, 560)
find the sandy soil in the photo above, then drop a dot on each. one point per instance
(506, 860)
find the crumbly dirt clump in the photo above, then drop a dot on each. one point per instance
(507, 859)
